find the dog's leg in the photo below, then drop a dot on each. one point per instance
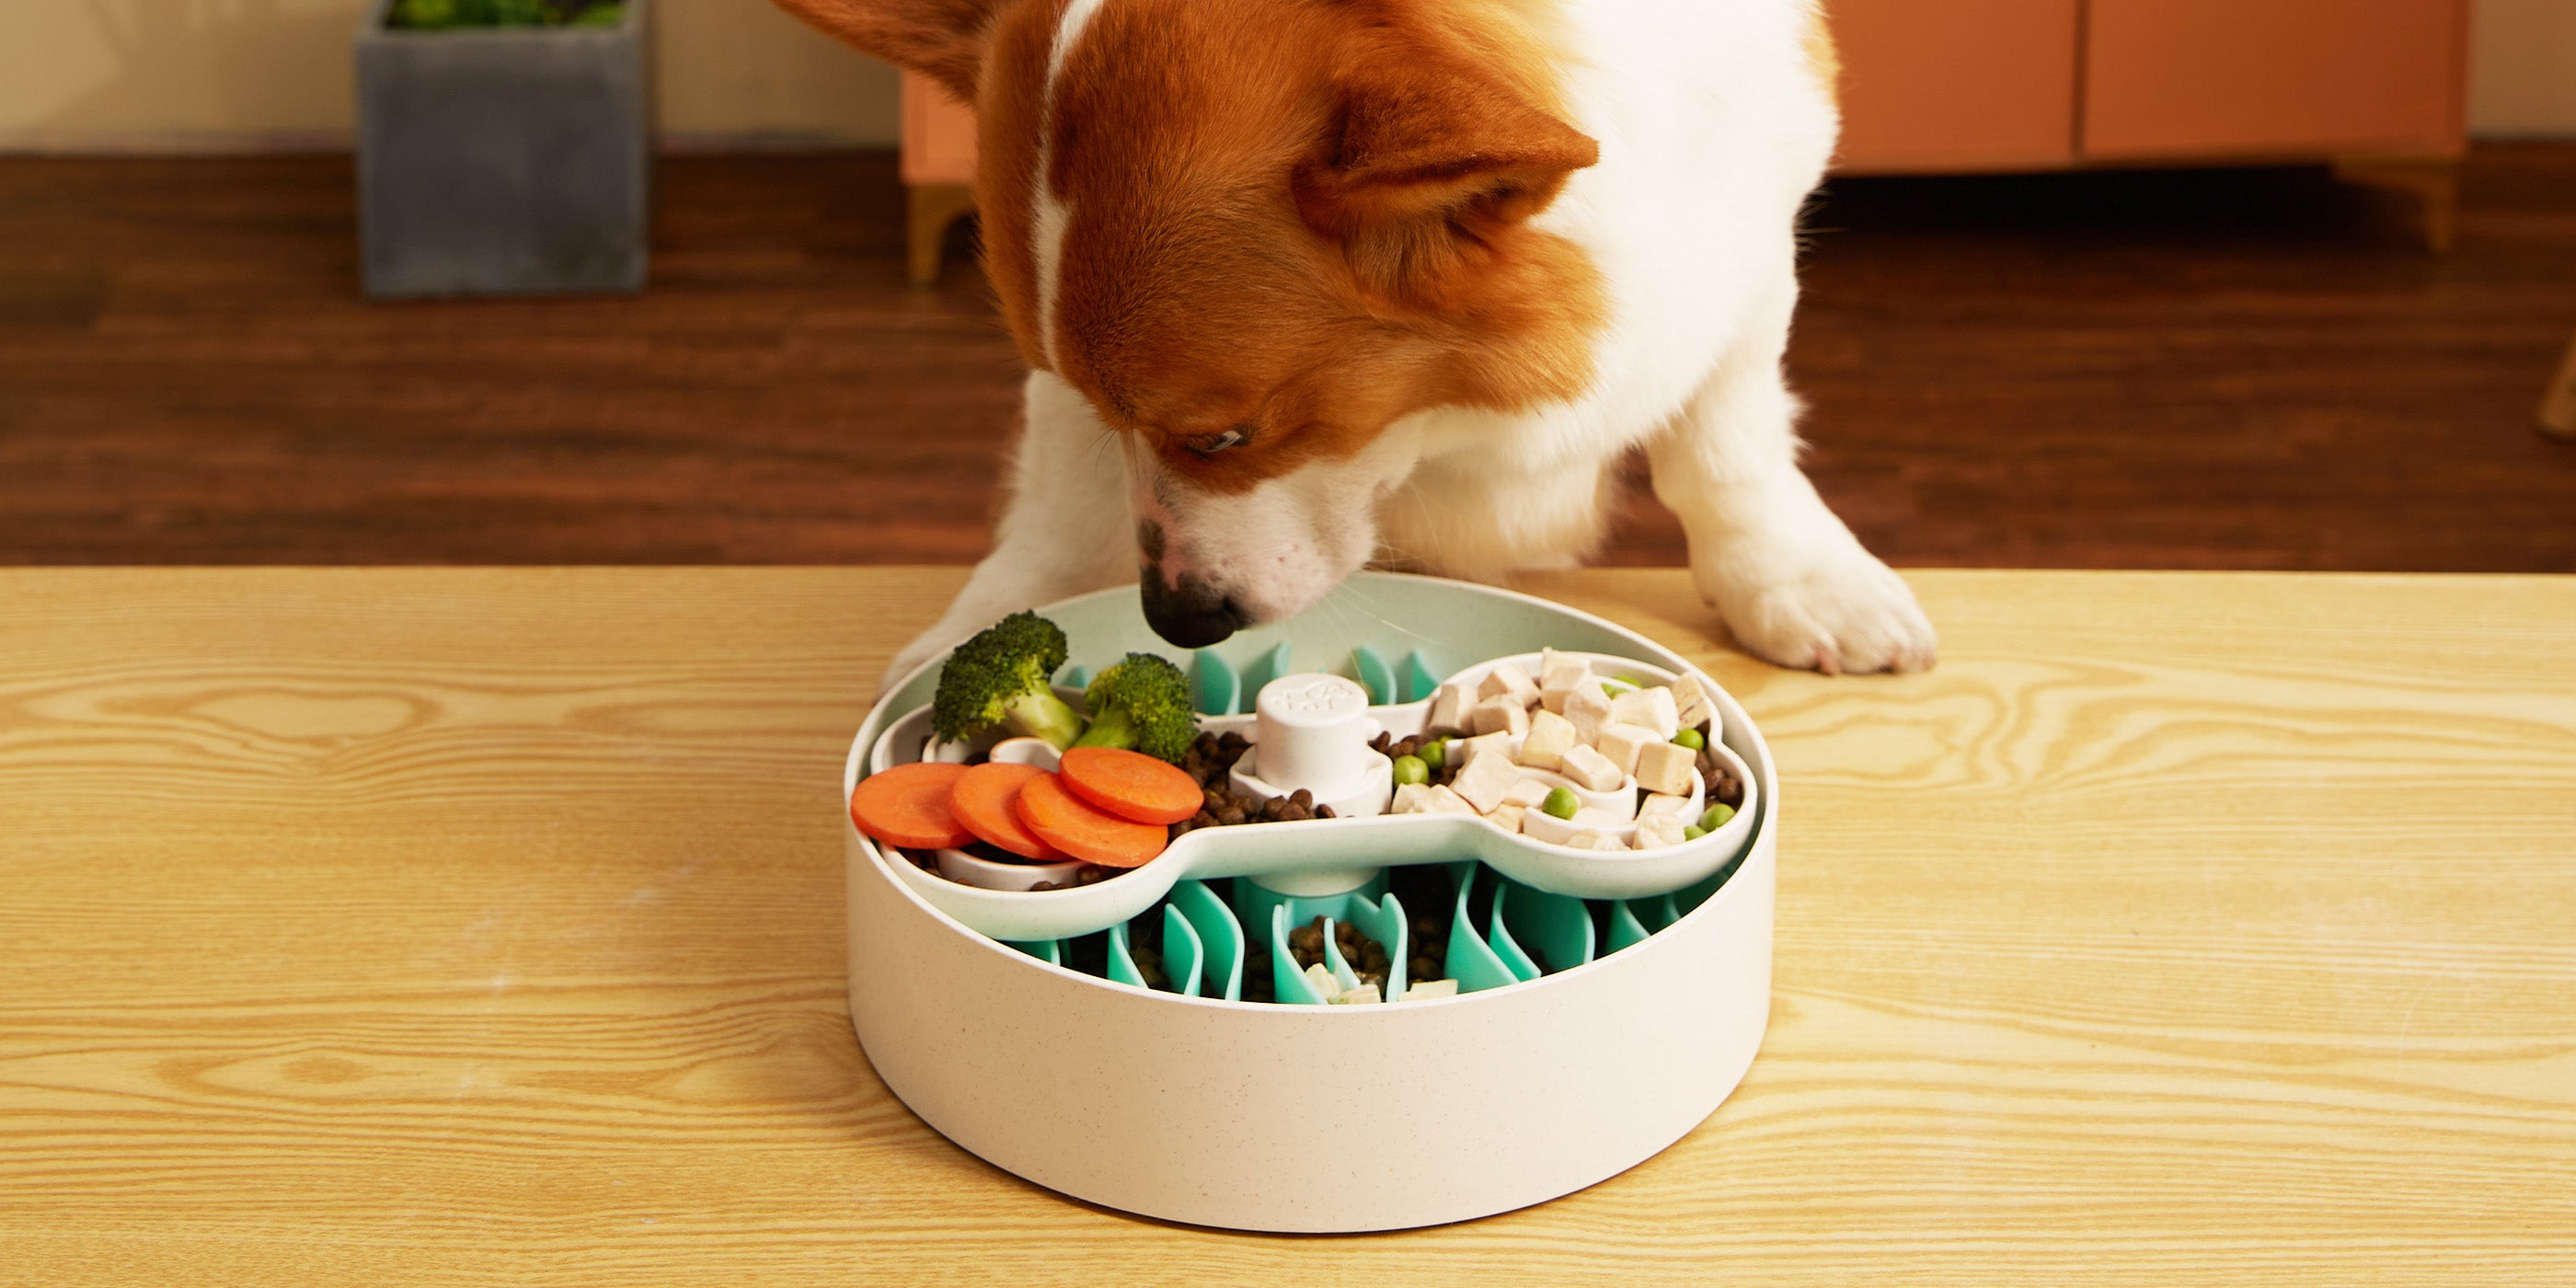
(1791, 581)
(1065, 527)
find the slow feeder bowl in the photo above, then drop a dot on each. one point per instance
(1264, 1116)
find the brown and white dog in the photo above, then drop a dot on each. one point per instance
(1307, 283)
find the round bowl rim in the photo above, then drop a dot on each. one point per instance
(1762, 765)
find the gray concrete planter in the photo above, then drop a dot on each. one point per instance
(504, 160)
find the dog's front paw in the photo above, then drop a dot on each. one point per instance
(1848, 614)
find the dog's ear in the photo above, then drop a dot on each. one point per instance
(1429, 144)
(942, 39)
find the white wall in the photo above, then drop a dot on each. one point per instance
(221, 75)
(2522, 68)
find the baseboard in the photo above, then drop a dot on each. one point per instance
(292, 142)
(43, 142)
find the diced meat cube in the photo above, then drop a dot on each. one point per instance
(1552, 697)
(1668, 768)
(1558, 671)
(1431, 988)
(1442, 800)
(1595, 841)
(1677, 806)
(1653, 708)
(1692, 701)
(1486, 781)
(1360, 996)
(1621, 743)
(1508, 681)
(1591, 770)
(1507, 816)
(1587, 708)
(1655, 831)
(1500, 715)
(1528, 791)
(1550, 737)
(1466, 750)
(1409, 798)
(1449, 705)
(1321, 976)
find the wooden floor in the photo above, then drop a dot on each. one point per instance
(2204, 370)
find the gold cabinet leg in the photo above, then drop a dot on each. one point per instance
(2558, 406)
(2434, 183)
(930, 209)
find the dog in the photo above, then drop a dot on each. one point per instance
(1307, 284)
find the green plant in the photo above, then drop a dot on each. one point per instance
(438, 15)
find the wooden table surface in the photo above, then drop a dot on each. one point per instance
(480, 926)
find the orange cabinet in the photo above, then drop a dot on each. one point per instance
(938, 134)
(2214, 78)
(938, 171)
(1957, 85)
(2376, 88)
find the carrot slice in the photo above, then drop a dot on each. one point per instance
(1084, 830)
(1131, 784)
(907, 805)
(984, 801)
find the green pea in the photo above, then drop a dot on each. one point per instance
(1408, 769)
(1716, 817)
(1631, 681)
(1694, 832)
(1689, 738)
(1560, 803)
(1433, 753)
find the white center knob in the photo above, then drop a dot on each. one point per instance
(1312, 731)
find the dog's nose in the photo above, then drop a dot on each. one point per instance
(1192, 614)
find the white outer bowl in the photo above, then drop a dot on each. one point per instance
(1245, 1115)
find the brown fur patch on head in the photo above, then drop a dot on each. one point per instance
(1297, 220)
(1008, 119)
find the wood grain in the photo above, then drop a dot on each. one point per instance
(477, 926)
(2199, 370)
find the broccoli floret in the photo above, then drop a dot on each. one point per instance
(1143, 703)
(1004, 676)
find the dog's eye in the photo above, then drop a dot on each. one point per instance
(1211, 444)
